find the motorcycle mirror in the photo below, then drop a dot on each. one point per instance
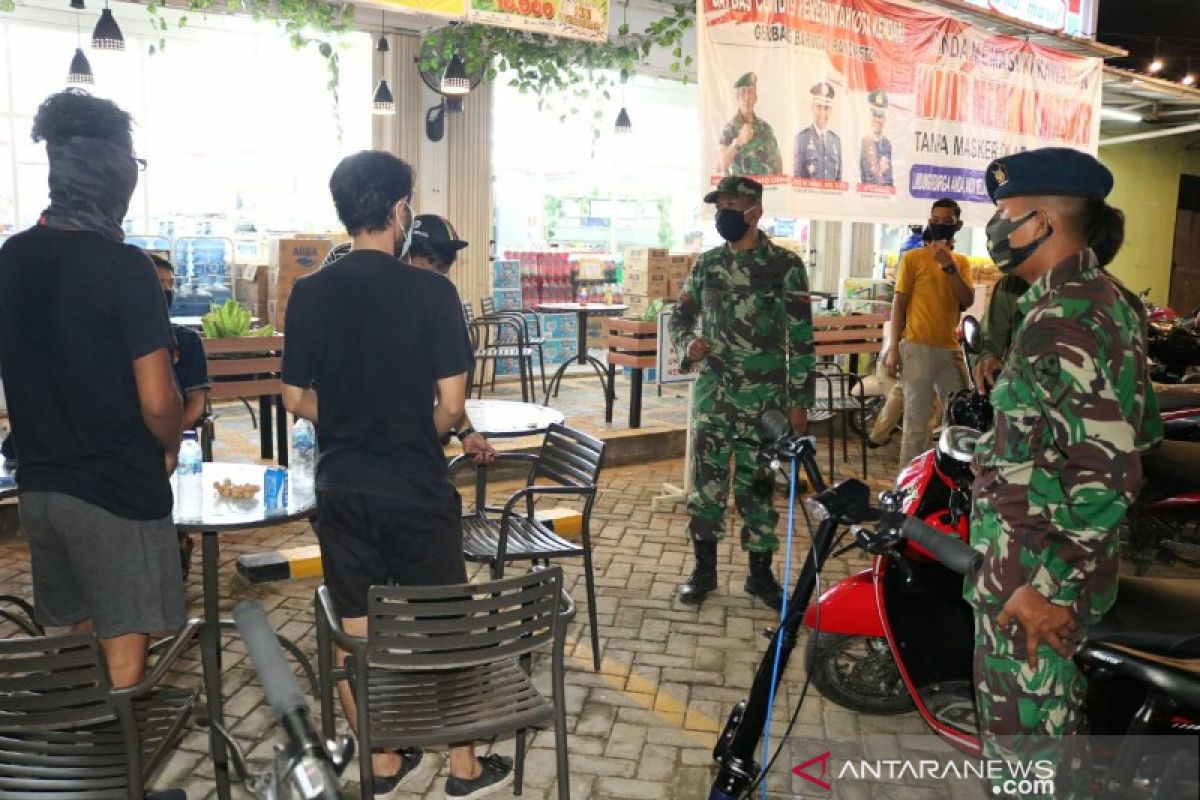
(972, 334)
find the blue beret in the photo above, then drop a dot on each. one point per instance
(1048, 171)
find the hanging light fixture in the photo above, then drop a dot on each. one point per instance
(1189, 77)
(454, 80)
(78, 5)
(624, 125)
(383, 103)
(80, 72)
(1157, 64)
(107, 35)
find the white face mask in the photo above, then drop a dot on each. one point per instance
(408, 233)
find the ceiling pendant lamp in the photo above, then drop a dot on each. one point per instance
(107, 35)
(455, 82)
(78, 5)
(80, 72)
(624, 125)
(383, 103)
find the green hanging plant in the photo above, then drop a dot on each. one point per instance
(8, 5)
(562, 72)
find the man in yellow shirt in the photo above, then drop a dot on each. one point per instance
(933, 286)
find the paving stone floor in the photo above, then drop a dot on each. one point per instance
(645, 724)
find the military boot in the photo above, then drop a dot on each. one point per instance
(761, 581)
(704, 576)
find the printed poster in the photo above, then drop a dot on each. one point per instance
(577, 19)
(442, 8)
(868, 110)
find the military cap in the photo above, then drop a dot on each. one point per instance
(735, 185)
(749, 79)
(878, 102)
(822, 93)
(1048, 171)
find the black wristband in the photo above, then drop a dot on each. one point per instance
(464, 433)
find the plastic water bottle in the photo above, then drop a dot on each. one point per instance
(188, 479)
(302, 460)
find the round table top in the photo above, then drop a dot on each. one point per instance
(505, 418)
(579, 308)
(220, 514)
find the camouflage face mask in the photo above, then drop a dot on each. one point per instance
(1007, 257)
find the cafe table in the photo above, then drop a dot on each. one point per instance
(218, 517)
(8, 484)
(507, 419)
(582, 311)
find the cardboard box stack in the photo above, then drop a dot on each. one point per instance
(678, 268)
(289, 260)
(252, 288)
(646, 277)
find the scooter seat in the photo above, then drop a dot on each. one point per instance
(1157, 615)
(1177, 678)
(1172, 468)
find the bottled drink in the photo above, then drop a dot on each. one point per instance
(189, 481)
(302, 459)
(583, 294)
(608, 294)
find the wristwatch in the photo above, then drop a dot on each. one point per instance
(464, 433)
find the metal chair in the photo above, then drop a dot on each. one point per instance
(468, 312)
(568, 458)
(500, 336)
(450, 664)
(66, 734)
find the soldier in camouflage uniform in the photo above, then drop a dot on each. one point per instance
(1074, 410)
(747, 144)
(744, 316)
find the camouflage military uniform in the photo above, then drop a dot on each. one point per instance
(760, 155)
(755, 312)
(1054, 478)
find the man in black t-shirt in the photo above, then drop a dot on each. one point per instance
(368, 346)
(85, 352)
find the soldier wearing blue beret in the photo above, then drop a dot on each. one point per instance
(818, 153)
(1074, 412)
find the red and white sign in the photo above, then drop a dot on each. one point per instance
(869, 110)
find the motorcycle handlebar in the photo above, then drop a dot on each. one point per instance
(278, 683)
(956, 554)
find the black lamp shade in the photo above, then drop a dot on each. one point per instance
(624, 125)
(107, 35)
(381, 46)
(454, 105)
(78, 5)
(383, 103)
(81, 70)
(454, 80)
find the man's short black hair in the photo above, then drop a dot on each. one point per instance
(949, 203)
(161, 263)
(366, 187)
(75, 113)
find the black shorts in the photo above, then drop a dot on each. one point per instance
(369, 540)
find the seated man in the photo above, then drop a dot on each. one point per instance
(387, 511)
(191, 373)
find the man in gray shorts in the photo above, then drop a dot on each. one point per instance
(85, 352)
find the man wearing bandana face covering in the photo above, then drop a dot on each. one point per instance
(745, 318)
(85, 352)
(1061, 466)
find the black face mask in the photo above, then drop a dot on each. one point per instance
(731, 224)
(940, 232)
(1007, 257)
(169, 296)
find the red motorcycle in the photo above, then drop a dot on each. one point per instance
(899, 635)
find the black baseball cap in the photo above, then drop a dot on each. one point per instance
(436, 233)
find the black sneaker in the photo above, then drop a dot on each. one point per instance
(497, 773)
(411, 760)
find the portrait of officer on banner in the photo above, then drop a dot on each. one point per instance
(875, 161)
(818, 154)
(747, 143)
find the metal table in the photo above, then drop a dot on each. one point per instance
(506, 419)
(220, 516)
(582, 312)
(7, 490)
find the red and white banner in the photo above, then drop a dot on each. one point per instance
(868, 110)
